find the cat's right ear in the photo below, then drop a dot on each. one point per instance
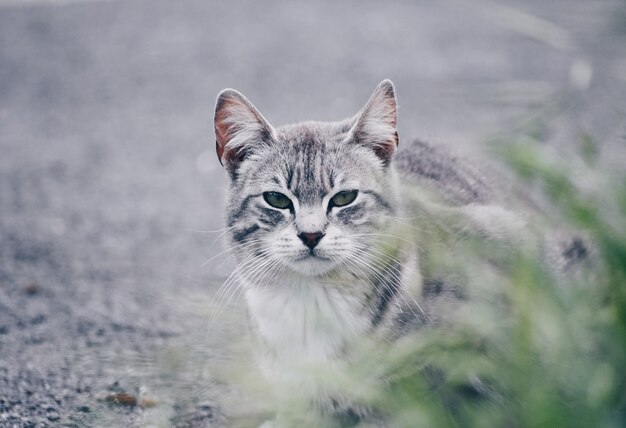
(239, 128)
(375, 125)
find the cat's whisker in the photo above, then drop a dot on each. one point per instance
(244, 262)
(404, 223)
(266, 270)
(252, 261)
(366, 277)
(248, 273)
(240, 250)
(367, 249)
(374, 242)
(216, 239)
(396, 274)
(402, 218)
(222, 290)
(385, 239)
(404, 297)
(225, 229)
(388, 235)
(234, 248)
(351, 265)
(379, 252)
(269, 272)
(228, 250)
(398, 293)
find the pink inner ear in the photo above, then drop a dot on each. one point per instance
(222, 129)
(385, 151)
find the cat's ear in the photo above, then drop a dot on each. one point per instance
(239, 127)
(375, 125)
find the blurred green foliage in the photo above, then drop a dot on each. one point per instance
(535, 347)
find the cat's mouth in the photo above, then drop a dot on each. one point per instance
(312, 255)
(312, 264)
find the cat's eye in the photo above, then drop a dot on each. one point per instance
(345, 197)
(277, 200)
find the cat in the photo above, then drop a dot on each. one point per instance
(307, 208)
(313, 211)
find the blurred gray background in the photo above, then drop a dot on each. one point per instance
(109, 185)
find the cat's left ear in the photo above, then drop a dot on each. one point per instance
(239, 129)
(375, 125)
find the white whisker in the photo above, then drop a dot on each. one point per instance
(388, 235)
(248, 272)
(246, 263)
(210, 231)
(393, 271)
(401, 221)
(234, 248)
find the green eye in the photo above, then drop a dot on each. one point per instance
(344, 197)
(277, 200)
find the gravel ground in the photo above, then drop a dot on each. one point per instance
(108, 173)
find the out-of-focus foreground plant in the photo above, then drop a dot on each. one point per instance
(532, 346)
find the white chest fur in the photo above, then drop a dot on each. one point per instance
(305, 321)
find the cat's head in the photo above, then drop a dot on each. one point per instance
(308, 197)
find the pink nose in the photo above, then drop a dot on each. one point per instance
(311, 239)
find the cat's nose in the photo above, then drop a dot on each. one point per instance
(311, 239)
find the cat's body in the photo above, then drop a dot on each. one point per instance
(314, 211)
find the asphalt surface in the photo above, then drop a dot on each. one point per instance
(108, 174)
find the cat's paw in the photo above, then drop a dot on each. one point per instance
(268, 424)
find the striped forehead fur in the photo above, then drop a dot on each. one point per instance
(307, 158)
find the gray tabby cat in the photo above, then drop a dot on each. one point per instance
(312, 213)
